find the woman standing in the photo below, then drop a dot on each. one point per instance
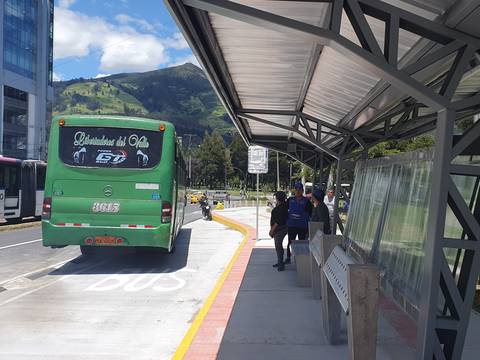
(278, 227)
(320, 212)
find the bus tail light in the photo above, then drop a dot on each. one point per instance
(47, 208)
(166, 212)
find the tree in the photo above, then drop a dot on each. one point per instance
(213, 159)
(96, 88)
(392, 147)
(239, 157)
(93, 104)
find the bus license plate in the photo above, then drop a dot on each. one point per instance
(105, 240)
(101, 207)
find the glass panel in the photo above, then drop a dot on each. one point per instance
(41, 172)
(15, 123)
(12, 180)
(389, 214)
(400, 250)
(20, 36)
(110, 147)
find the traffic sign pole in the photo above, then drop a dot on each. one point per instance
(258, 182)
(257, 164)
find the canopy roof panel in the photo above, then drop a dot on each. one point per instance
(305, 71)
(267, 68)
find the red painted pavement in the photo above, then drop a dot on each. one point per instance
(206, 344)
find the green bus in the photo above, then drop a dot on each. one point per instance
(113, 181)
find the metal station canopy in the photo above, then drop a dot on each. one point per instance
(327, 79)
(310, 77)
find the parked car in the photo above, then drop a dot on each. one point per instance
(219, 195)
(195, 198)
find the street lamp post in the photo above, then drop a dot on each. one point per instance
(244, 176)
(190, 155)
(278, 174)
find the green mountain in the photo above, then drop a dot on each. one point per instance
(180, 94)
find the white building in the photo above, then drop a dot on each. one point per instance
(26, 45)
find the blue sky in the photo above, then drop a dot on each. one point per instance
(93, 38)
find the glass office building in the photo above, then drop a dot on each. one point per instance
(26, 34)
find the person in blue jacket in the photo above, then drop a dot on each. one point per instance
(299, 212)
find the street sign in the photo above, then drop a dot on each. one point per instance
(257, 159)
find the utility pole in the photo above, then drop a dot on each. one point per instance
(278, 174)
(190, 154)
(290, 179)
(303, 174)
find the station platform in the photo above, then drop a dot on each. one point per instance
(260, 313)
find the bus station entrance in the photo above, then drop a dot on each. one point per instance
(325, 81)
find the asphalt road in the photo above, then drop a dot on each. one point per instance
(57, 304)
(21, 250)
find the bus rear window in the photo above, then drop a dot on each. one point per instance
(107, 147)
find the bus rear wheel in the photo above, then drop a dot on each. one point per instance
(87, 250)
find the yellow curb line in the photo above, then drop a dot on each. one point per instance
(197, 322)
(20, 226)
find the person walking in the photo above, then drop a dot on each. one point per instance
(329, 200)
(278, 227)
(299, 212)
(320, 212)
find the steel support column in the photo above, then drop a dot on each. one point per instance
(338, 182)
(441, 334)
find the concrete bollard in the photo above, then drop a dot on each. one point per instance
(363, 289)
(315, 233)
(331, 307)
(315, 273)
(301, 256)
(313, 227)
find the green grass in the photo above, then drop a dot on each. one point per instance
(110, 99)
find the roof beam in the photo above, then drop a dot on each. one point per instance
(293, 113)
(311, 140)
(312, 65)
(372, 63)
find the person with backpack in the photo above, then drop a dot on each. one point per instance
(299, 212)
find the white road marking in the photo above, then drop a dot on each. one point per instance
(52, 282)
(54, 266)
(22, 243)
(131, 281)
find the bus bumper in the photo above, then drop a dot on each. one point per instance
(59, 236)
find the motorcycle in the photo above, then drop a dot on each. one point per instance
(206, 210)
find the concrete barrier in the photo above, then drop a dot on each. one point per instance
(301, 258)
(351, 288)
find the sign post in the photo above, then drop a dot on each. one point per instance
(257, 164)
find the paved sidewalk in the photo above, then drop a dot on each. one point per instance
(273, 318)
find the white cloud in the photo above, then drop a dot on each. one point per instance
(66, 3)
(56, 77)
(125, 19)
(98, 76)
(122, 48)
(185, 59)
(176, 42)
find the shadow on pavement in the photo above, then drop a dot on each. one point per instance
(130, 260)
